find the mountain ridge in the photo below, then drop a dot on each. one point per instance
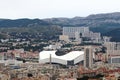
(103, 23)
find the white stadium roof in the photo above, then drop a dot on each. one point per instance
(77, 56)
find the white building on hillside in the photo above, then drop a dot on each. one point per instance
(70, 31)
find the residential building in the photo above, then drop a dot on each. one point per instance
(88, 57)
(64, 38)
(70, 31)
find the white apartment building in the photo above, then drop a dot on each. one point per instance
(79, 32)
(112, 47)
(70, 31)
(64, 38)
(106, 39)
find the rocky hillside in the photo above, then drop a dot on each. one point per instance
(107, 24)
(97, 22)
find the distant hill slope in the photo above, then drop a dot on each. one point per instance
(104, 23)
(22, 23)
(91, 19)
(98, 22)
(115, 34)
(107, 24)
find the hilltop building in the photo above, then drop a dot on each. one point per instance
(106, 39)
(64, 38)
(70, 31)
(80, 34)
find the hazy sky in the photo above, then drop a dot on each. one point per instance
(14, 9)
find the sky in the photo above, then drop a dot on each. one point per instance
(14, 9)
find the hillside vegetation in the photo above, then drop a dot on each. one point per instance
(108, 24)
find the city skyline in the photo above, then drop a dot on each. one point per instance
(55, 8)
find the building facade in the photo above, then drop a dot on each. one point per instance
(70, 58)
(77, 33)
(112, 47)
(70, 31)
(114, 59)
(88, 57)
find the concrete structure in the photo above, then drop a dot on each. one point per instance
(88, 57)
(78, 37)
(112, 47)
(106, 39)
(70, 31)
(77, 33)
(2, 56)
(64, 38)
(70, 58)
(114, 59)
(95, 37)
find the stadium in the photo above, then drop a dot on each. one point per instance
(69, 58)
